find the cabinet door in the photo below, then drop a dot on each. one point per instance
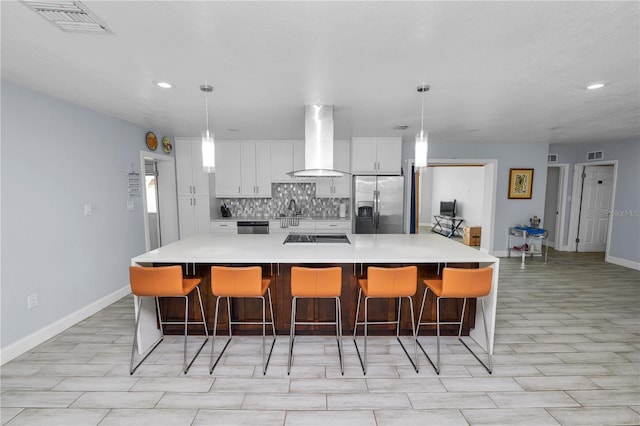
(324, 187)
(298, 162)
(363, 156)
(186, 223)
(336, 187)
(341, 185)
(228, 175)
(281, 161)
(248, 169)
(184, 167)
(202, 217)
(263, 170)
(389, 154)
(200, 178)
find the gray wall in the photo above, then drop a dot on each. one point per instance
(625, 226)
(56, 157)
(509, 155)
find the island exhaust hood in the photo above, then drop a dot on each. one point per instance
(318, 143)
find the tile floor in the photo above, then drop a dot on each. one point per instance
(567, 352)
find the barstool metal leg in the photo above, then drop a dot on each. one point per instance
(424, 298)
(339, 332)
(413, 334)
(206, 331)
(133, 369)
(292, 331)
(213, 364)
(355, 330)
(486, 331)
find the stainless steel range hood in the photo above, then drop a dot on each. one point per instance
(318, 143)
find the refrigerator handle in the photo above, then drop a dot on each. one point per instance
(376, 209)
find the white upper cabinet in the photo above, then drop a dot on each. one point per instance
(256, 169)
(287, 156)
(336, 187)
(378, 156)
(190, 177)
(228, 173)
(281, 161)
(243, 169)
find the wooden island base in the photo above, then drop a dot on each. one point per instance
(318, 310)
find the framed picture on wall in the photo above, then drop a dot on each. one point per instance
(520, 183)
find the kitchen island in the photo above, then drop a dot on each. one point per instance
(429, 252)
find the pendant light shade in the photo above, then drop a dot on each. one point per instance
(422, 148)
(422, 139)
(208, 147)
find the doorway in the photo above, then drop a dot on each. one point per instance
(555, 205)
(153, 218)
(593, 189)
(478, 191)
(164, 230)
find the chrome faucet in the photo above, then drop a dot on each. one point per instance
(292, 206)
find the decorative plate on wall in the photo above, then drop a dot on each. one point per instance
(152, 141)
(166, 145)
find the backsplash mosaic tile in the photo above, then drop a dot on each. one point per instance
(304, 194)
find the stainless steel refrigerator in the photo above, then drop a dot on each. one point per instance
(378, 204)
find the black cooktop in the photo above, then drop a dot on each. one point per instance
(316, 238)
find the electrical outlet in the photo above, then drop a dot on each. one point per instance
(32, 301)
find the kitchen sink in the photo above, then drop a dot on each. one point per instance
(316, 238)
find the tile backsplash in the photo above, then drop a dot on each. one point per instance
(304, 195)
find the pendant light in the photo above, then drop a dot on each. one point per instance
(422, 139)
(208, 148)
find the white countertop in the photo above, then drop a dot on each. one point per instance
(387, 248)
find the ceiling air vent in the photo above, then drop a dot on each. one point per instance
(552, 158)
(595, 155)
(401, 127)
(69, 16)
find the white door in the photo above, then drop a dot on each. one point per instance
(595, 208)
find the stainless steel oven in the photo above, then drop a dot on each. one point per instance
(253, 227)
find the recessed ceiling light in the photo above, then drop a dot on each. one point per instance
(595, 86)
(163, 84)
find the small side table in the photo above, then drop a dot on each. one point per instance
(523, 241)
(447, 225)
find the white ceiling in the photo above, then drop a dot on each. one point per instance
(499, 71)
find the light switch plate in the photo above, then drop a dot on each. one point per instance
(130, 206)
(88, 210)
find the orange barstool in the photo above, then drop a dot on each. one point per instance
(389, 283)
(164, 281)
(316, 283)
(241, 282)
(458, 283)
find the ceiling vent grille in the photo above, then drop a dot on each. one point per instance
(69, 16)
(595, 155)
(552, 158)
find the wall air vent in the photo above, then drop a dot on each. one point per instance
(595, 155)
(552, 158)
(69, 16)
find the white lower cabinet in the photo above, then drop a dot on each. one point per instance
(327, 226)
(194, 215)
(224, 227)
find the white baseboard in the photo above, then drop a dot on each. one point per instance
(31, 341)
(623, 262)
